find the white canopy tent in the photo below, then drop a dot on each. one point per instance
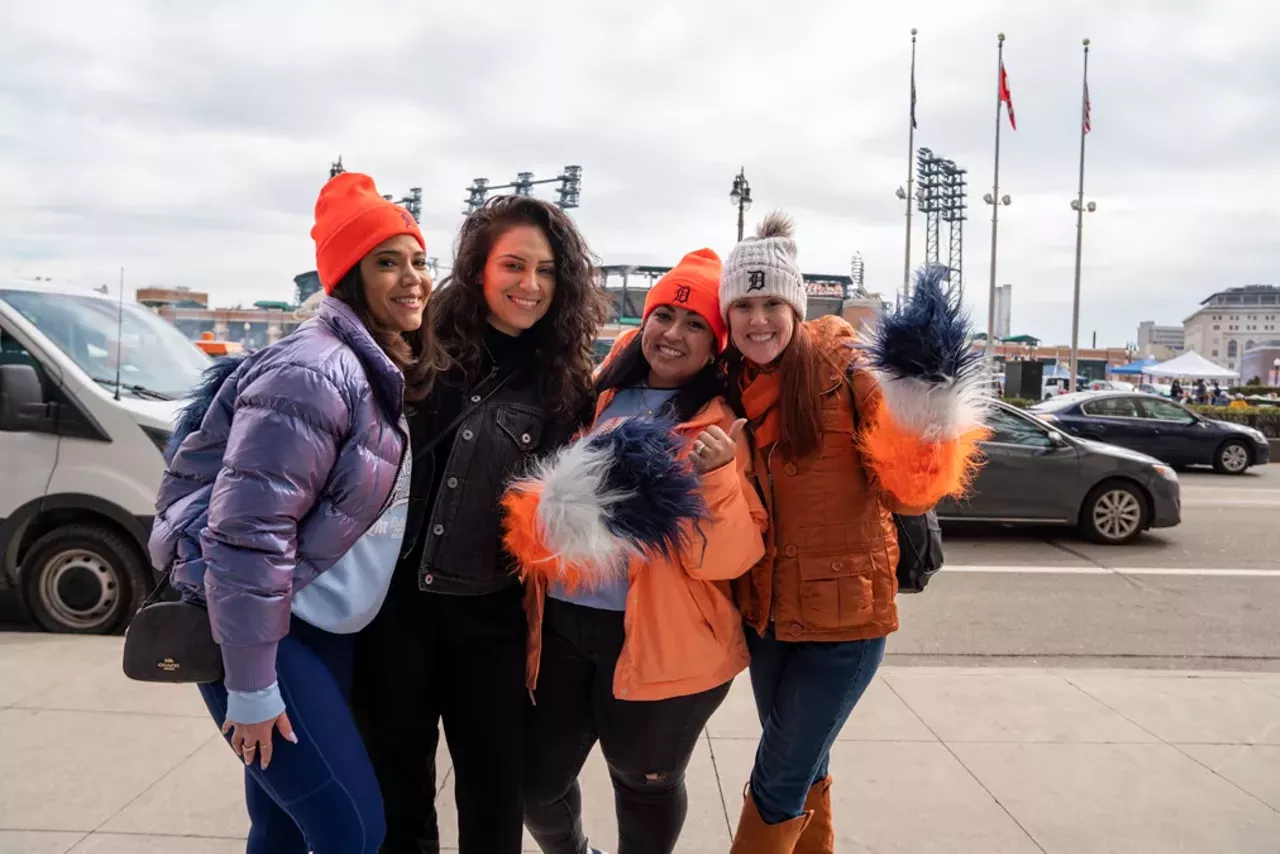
(1190, 365)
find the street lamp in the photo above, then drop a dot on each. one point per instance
(740, 197)
(1275, 378)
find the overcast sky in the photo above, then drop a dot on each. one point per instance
(187, 143)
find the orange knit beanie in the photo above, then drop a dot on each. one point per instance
(351, 219)
(693, 284)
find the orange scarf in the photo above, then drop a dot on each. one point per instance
(760, 392)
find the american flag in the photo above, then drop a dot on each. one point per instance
(1088, 125)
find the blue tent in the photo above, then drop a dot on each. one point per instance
(1138, 367)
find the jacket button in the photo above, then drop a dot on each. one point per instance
(790, 468)
(452, 482)
(438, 530)
(835, 565)
(791, 550)
(525, 438)
(795, 630)
(467, 434)
(475, 398)
(428, 578)
(623, 692)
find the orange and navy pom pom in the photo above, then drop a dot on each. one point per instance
(922, 442)
(582, 515)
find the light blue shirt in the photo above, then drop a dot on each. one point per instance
(626, 403)
(346, 597)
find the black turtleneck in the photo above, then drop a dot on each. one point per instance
(501, 353)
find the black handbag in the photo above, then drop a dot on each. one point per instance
(919, 550)
(171, 641)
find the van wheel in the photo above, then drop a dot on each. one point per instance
(82, 579)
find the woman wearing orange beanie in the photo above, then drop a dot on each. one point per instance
(640, 658)
(282, 511)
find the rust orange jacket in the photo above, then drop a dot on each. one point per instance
(684, 634)
(829, 572)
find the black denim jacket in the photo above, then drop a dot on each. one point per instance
(454, 539)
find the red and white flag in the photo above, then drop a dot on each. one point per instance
(1006, 97)
(1088, 125)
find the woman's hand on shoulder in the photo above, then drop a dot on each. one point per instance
(714, 447)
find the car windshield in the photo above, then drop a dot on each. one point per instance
(155, 359)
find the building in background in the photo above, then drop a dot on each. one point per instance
(1160, 342)
(1004, 311)
(1231, 322)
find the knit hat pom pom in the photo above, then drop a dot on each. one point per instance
(776, 224)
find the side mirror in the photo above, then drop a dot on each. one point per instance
(21, 398)
(1057, 440)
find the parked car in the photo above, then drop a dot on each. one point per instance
(1159, 428)
(89, 389)
(1111, 385)
(1034, 474)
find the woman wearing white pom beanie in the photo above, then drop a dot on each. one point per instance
(843, 435)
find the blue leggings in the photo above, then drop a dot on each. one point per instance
(321, 794)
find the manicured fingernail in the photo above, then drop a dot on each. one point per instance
(293, 739)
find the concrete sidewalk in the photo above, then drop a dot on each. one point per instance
(934, 760)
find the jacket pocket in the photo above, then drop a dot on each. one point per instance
(522, 426)
(836, 591)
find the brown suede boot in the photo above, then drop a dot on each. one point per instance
(820, 836)
(756, 837)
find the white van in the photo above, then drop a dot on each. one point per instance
(81, 440)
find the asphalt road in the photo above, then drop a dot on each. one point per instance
(1205, 594)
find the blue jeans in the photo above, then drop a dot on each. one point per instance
(804, 693)
(321, 794)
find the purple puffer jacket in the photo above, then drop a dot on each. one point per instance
(290, 465)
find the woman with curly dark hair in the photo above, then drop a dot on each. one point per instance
(516, 319)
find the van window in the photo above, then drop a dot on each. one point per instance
(151, 354)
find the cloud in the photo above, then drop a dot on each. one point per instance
(187, 144)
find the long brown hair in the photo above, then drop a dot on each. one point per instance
(799, 373)
(417, 354)
(563, 338)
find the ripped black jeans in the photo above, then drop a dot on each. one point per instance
(647, 745)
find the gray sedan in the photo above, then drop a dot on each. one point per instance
(1035, 474)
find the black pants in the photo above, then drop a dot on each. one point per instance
(647, 745)
(429, 657)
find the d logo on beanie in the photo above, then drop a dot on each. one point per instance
(755, 280)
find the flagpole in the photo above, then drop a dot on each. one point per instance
(911, 165)
(1079, 206)
(995, 208)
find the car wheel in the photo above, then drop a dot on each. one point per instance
(82, 579)
(1232, 458)
(1115, 513)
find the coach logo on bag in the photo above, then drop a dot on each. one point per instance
(169, 665)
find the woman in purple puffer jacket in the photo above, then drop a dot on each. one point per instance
(283, 509)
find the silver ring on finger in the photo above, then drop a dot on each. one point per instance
(699, 447)
(249, 748)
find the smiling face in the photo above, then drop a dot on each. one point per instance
(396, 283)
(677, 343)
(761, 327)
(519, 279)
